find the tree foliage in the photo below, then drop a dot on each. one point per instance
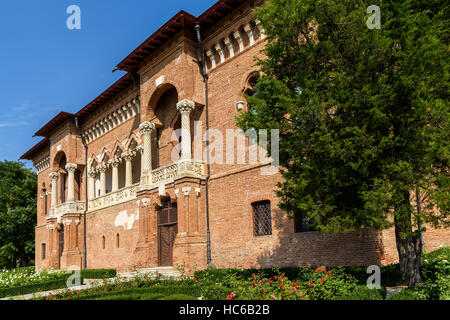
(363, 115)
(17, 214)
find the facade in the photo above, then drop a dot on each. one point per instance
(121, 186)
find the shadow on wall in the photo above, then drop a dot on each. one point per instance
(290, 249)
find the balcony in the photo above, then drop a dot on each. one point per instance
(76, 207)
(172, 172)
(114, 198)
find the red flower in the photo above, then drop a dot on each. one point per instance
(320, 270)
(311, 284)
(253, 275)
(195, 279)
(321, 281)
(329, 272)
(282, 274)
(281, 284)
(254, 283)
(295, 285)
(316, 271)
(275, 278)
(270, 281)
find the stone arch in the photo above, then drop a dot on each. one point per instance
(105, 156)
(93, 162)
(157, 94)
(117, 150)
(247, 79)
(59, 157)
(132, 139)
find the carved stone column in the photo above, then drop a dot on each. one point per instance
(91, 186)
(71, 168)
(54, 176)
(129, 169)
(102, 170)
(147, 129)
(240, 41)
(185, 107)
(248, 30)
(115, 174)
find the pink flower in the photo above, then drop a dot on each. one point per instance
(253, 275)
(273, 297)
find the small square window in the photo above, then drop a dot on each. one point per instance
(262, 218)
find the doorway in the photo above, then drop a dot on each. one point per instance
(167, 232)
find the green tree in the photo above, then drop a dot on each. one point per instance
(17, 214)
(363, 115)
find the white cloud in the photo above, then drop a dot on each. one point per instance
(13, 124)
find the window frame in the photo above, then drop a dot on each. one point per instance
(262, 225)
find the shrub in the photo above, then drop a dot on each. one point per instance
(98, 273)
(361, 292)
(33, 288)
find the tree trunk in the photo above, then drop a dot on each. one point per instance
(409, 246)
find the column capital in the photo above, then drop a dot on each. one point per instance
(71, 167)
(147, 127)
(116, 162)
(54, 175)
(185, 106)
(102, 168)
(92, 174)
(128, 156)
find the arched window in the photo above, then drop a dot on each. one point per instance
(250, 87)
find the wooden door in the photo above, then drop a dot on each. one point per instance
(167, 232)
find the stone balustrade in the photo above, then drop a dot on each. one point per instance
(75, 207)
(172, 172)
(114, 198)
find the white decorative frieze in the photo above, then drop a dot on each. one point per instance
(114, 198)
(42, 165)
(111, 121)
(237, 36)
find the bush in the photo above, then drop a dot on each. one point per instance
(33, 288)
(98, 273)
(361, 292)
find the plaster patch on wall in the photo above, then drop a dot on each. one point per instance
(126, 221)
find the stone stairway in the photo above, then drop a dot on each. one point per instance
(165, 272)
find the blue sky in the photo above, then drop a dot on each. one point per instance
(47, 68)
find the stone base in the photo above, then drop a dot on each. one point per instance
(71, 259)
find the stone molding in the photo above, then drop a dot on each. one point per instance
(114, 119)
(113, 198)
(217, 49)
